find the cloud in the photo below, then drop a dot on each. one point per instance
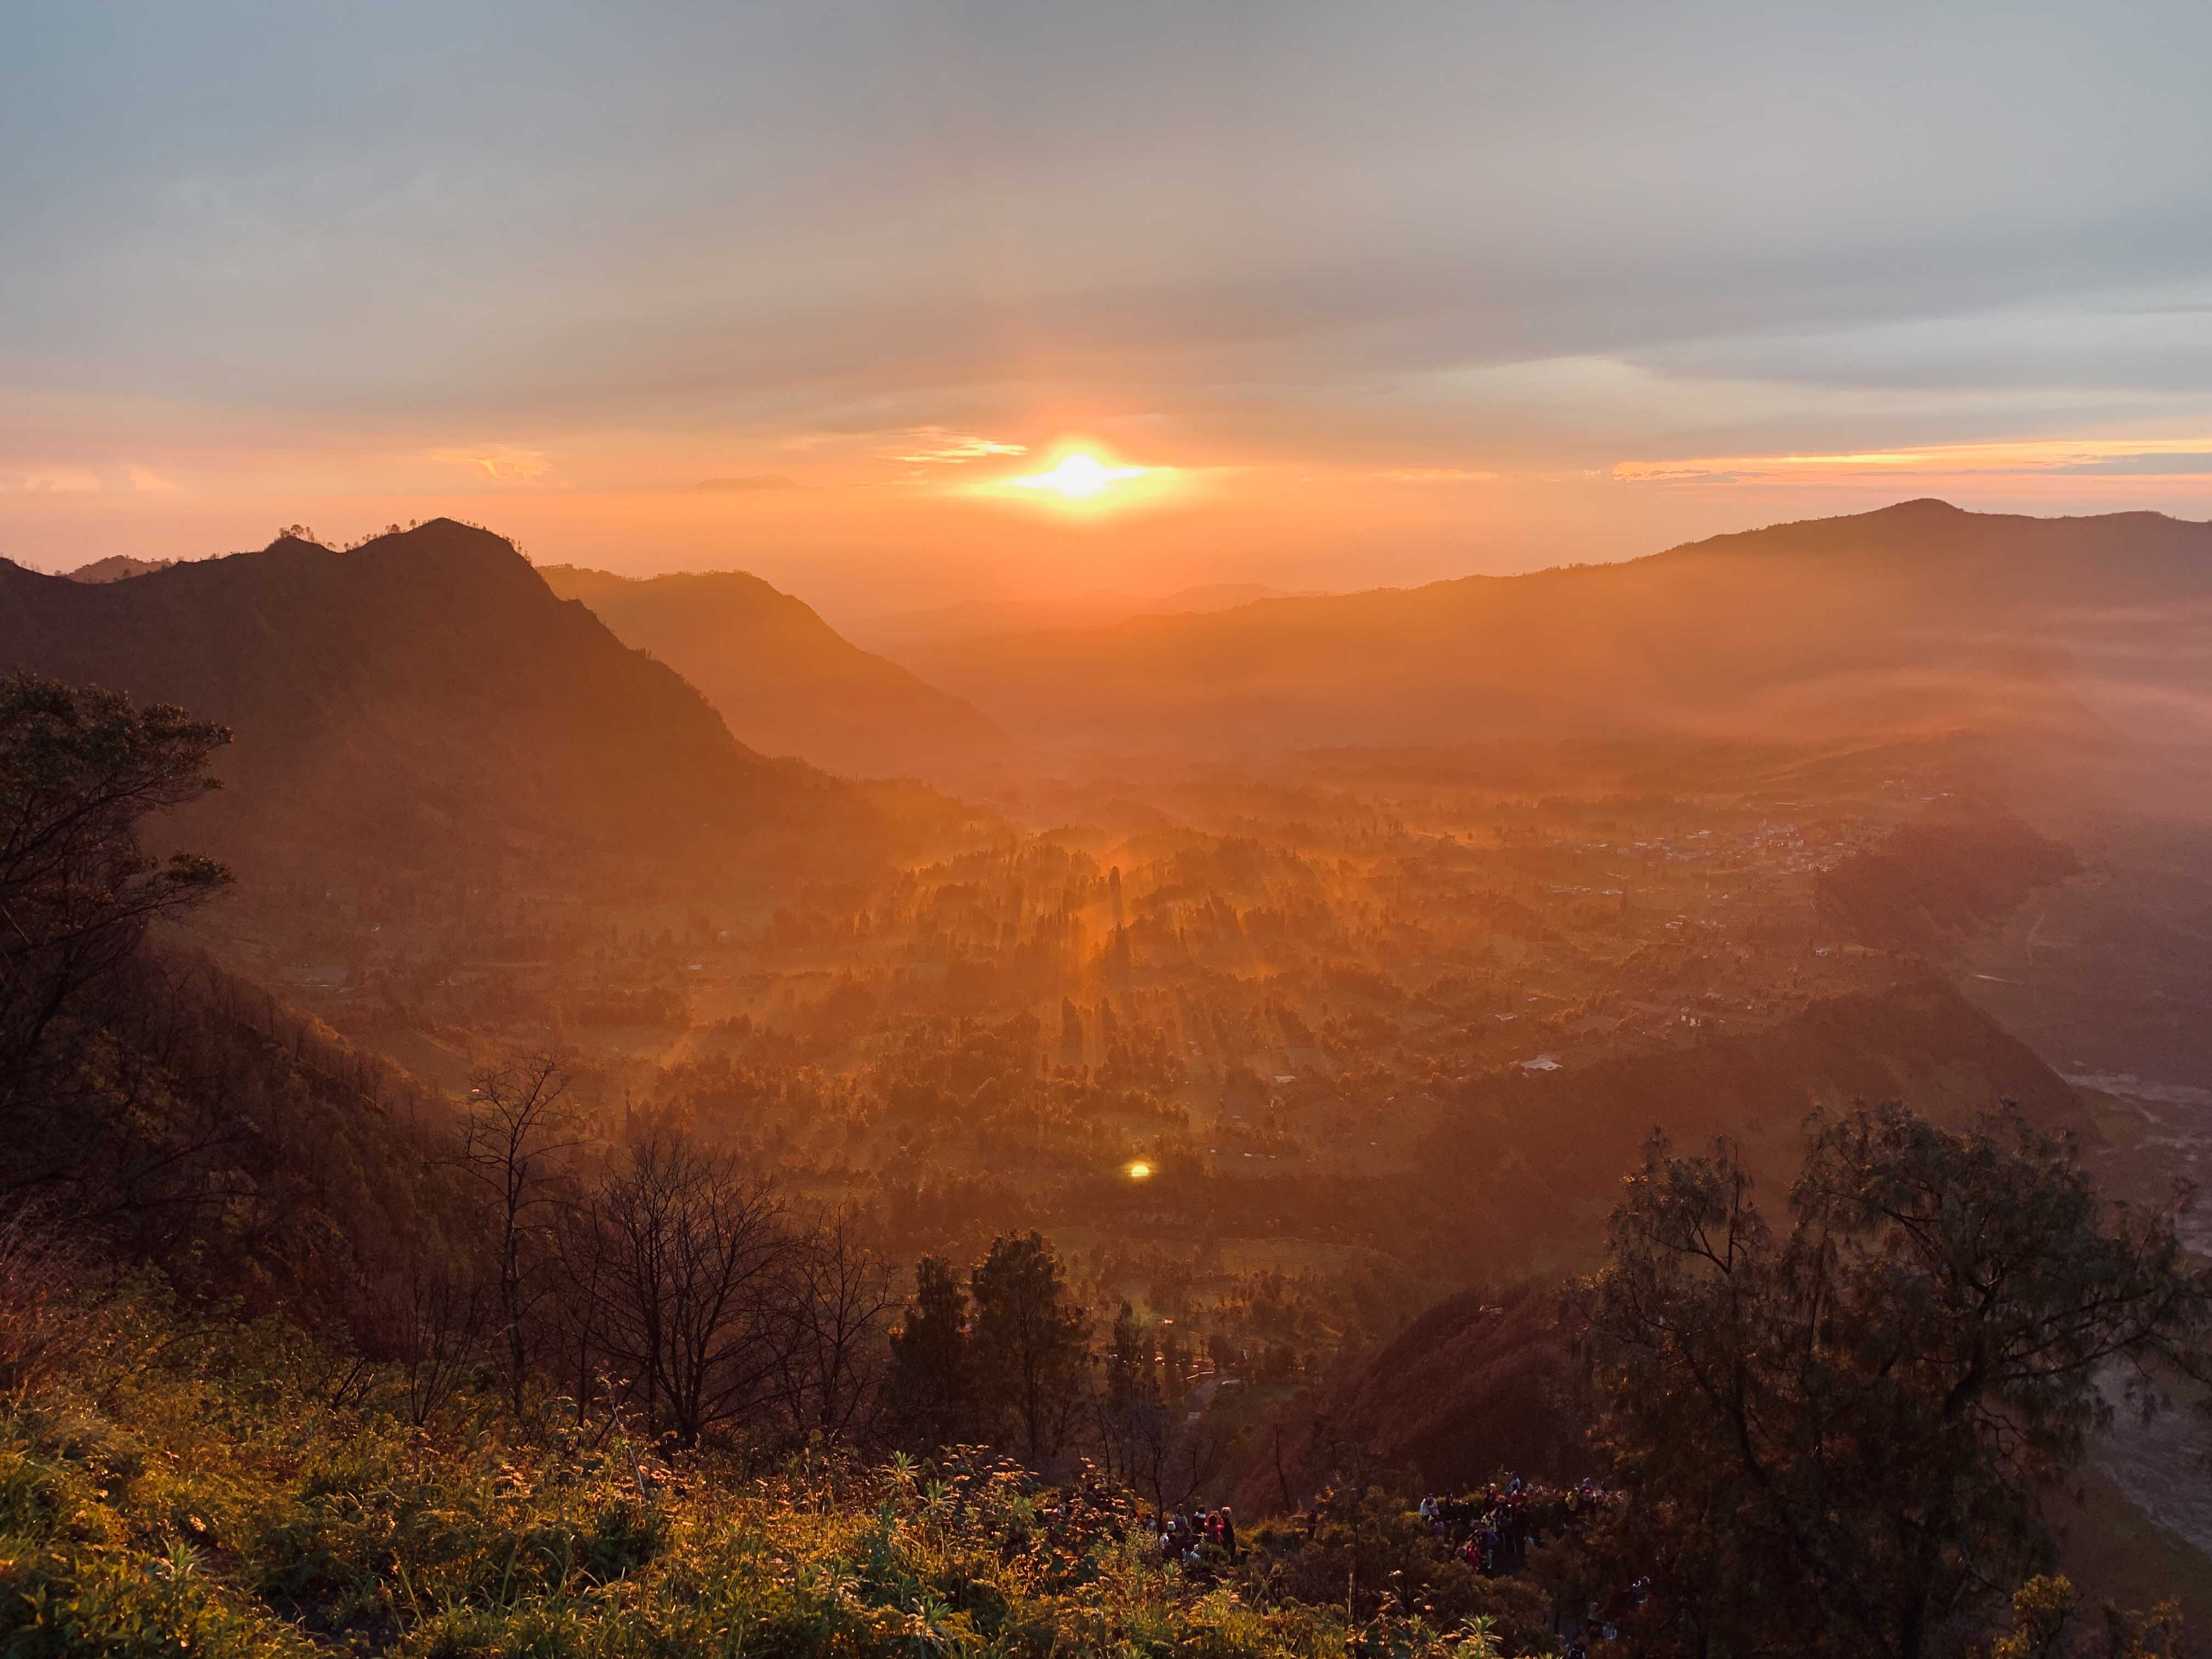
(744, 484)
(2161, 464)
(147, 481)
(508, 465)
(934, 446)
(2018, 459)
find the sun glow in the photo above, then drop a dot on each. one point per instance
(1079, 477)
(1140, 1171)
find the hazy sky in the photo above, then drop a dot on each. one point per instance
(1377, 293)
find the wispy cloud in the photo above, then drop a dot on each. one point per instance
(2026, 458)
(935, 446)
(508, 465)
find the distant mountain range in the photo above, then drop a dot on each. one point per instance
(783, 679)
(1919, 616)
(1097, 608)
(424, 704)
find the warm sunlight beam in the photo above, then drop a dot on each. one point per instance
(1079, 477)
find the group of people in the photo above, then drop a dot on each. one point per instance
(1183, 1534)
(1491, 1529)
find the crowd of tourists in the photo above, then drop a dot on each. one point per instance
(1181, 1535)
(1491, 1527)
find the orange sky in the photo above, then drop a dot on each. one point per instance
(800, 289)
(863, 524)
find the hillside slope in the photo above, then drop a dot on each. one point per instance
(424, 704)
(783, 679)
(1916, 617)
(1533, 1161)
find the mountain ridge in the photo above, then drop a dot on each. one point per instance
(1940, 619)
(421, 701)
(783, 680)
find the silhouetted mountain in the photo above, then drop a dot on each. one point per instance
(115, 568)
(424, 704)
(784, 681)
(1096, 609)
(1917, 617)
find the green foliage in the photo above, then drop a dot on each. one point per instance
(1030, 1347)
(1845, 1430)
(208, 1498)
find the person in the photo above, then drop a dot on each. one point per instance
(1228, 1533)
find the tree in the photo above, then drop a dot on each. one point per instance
(80, 773)
(1839, 1437)
(683, 1283)
(1030, 1349)
(931, 1400)
(515, 1131)
(1135, 1428)
(833, 1363)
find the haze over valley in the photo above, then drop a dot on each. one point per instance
(1280, 834)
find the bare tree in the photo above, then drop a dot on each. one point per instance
(436, 1328)
(514, 1136)
(838, 1306)
(683, 1284)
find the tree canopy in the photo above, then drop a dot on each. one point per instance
(1842, 1434)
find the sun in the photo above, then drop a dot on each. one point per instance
(1079, 476)
(1140, 1170)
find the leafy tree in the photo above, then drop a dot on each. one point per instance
(932, 1402)
(80, 772)
(1840, 1436)
(1031, 1348)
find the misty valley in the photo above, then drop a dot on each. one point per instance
(1496, 1118)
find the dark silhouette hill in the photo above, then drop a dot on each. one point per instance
(424, 704)
(115, 568)
(1916, 617)
(784, 680)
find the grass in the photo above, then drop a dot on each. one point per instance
(194, 1491)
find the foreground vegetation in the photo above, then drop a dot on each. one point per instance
(296, 1357)
(171, 1485)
